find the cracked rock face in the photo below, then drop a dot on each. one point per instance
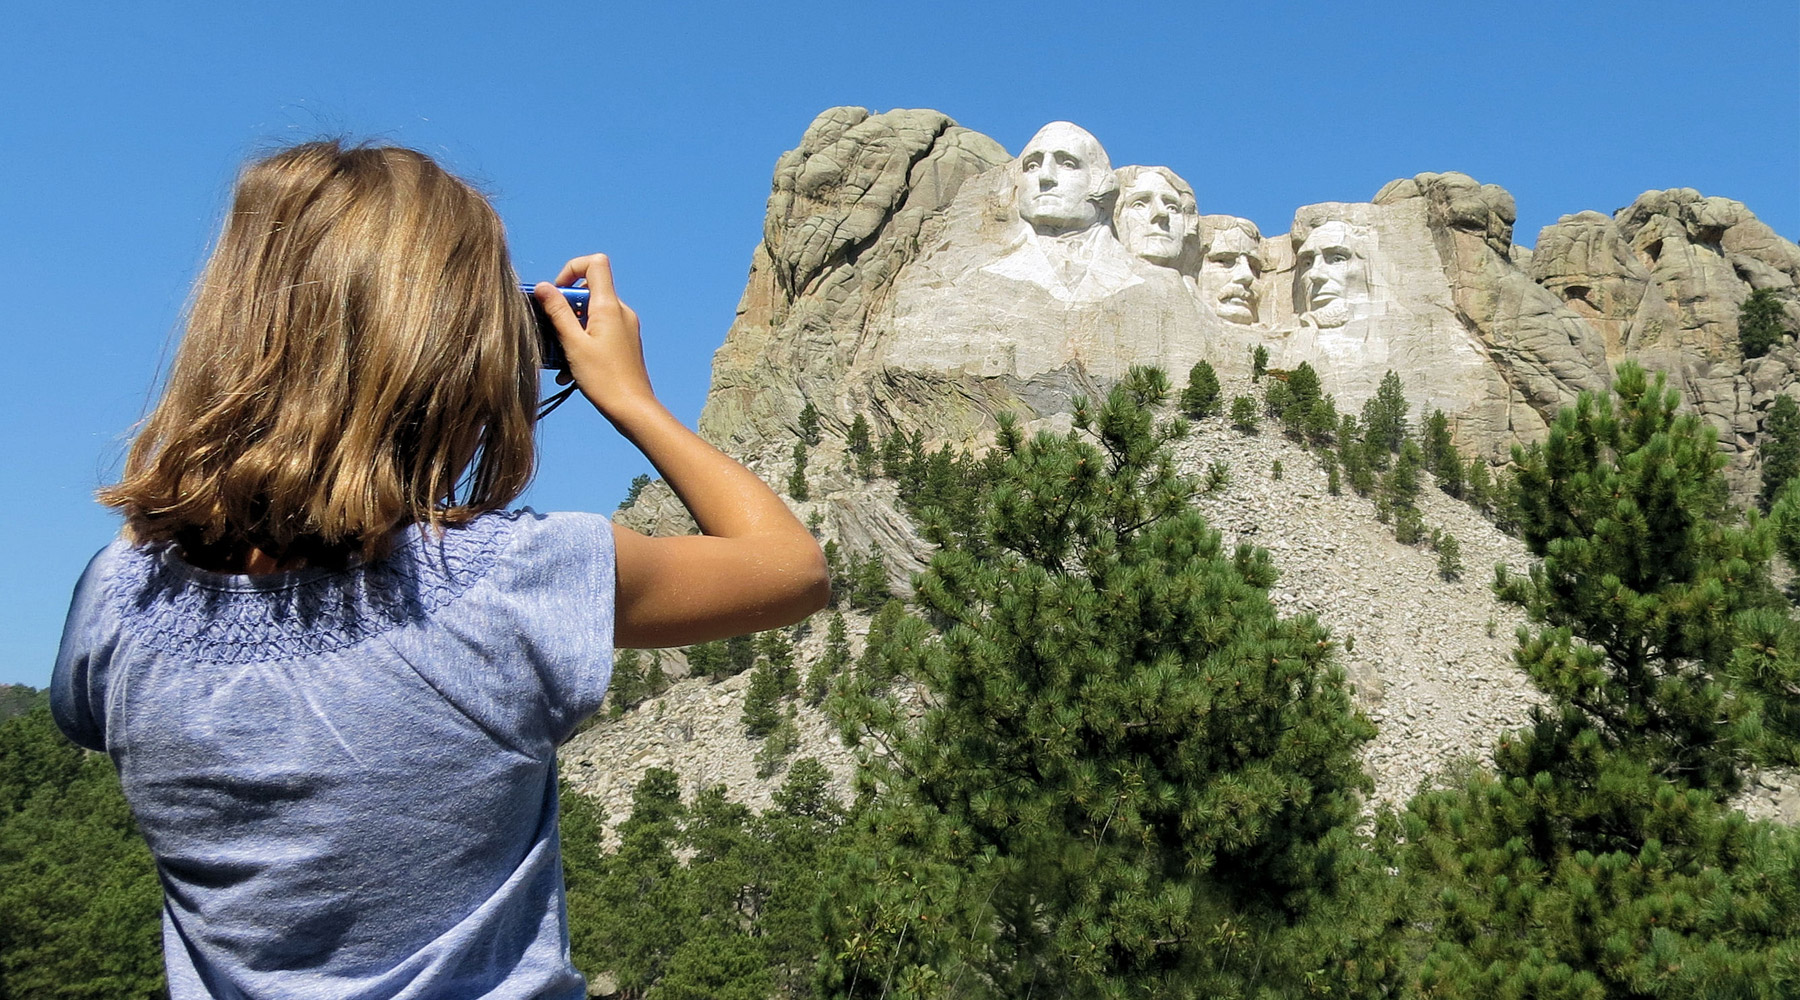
(915, 273)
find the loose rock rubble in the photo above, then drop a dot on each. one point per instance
(1428, 659)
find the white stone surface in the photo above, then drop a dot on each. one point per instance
(899, 279)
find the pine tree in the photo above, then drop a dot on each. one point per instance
(1449, 550)
(1602, 859)
(862, 453)
(1779, 448)
(779, 744)
(760, 701)
(1478, 486)
(1303, 387)
(835, 659)
(1761, 323)
(872, 666)
(1259, 363)
(809, 424)
(581, 822)
(1218, 477)
(1384, 419)
(1201, 397)
(1243, 414)
(868, 583)
(1321, 421)
(791, 845)
(916, 465)
(796, 484)
(721, 659)
(735, 920)
(79, 897)
(740, 655)
(1434, 437)
(1276, 398)
(639, 909)
(635, 490)
(1400, 487)
(1131, 777)
(893, 455)
(656, 679)
(1642, 577)
(771, 682)
(1441, 456)
(707, 659)
(626, 688)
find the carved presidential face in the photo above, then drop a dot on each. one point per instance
(1064, 176)
(1228, 275)
(1153, 218)
(1333, 270)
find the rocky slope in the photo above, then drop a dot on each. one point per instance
(912, 272)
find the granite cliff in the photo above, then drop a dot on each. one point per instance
(900, 277)
(914, 273)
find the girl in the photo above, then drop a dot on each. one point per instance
(332, 668)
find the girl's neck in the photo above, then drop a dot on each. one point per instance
(250, 562)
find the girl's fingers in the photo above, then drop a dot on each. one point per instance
(596, 268)
(570, 271)
(557, 308)
(600, 278)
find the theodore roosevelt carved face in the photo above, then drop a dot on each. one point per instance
(1065, 180)
(1333, 275)
(1229, 270)
(1156, 214)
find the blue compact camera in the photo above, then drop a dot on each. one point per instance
(549, 345)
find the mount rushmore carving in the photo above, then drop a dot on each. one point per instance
(914, 272)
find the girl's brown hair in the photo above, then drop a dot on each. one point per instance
(357, 359)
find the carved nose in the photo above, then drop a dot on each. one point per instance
(1240, 273)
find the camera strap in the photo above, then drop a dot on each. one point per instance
(547, 406)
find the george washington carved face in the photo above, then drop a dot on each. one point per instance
(1065, 180)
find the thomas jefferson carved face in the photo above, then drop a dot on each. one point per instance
(1064, 180)
(1228, 275)
(1154, 218)
(1333, 269)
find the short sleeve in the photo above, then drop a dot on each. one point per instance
(563, 566)
(77, 686)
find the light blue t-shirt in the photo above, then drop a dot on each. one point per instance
(348, 777)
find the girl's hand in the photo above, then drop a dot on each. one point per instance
(606, 357)
(756, 566)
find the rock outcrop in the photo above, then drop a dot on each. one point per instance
(913, 273)
(907, 274)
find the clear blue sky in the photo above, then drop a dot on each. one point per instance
(650, 130)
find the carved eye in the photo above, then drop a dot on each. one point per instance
(1068, 161)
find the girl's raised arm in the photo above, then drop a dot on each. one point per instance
(755, 567)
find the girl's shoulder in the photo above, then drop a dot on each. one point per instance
(180, 609)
